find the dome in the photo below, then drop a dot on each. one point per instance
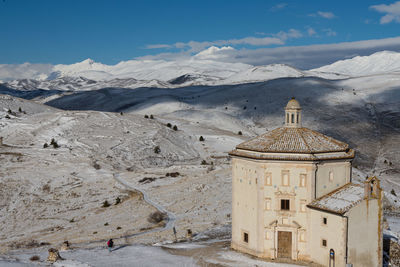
(293, 104)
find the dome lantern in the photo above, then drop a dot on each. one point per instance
(293, 114)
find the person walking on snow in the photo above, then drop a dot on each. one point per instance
(110, 244)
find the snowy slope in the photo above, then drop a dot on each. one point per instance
(380, 62)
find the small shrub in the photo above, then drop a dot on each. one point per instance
(240, 133)
(119, 228)
(46, 188)
(106, 204)
(146, 116)
(94, 233)
(34, 258)
(117, 201)
(157, 149)
(203, 162)
(201, 139)
(54, 143)
(45, 145)
(151, 117)
(106, 224)
(156, 217)
(169, 125)
(96, 166)
(393, 192)
(72, 220)
(175, 128)
(172, 174)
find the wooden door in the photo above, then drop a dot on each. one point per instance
(284, 244)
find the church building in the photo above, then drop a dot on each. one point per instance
(293, 198)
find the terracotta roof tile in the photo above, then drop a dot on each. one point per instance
(293, 140)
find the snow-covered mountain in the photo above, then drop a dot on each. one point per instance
(197, 70)
(380, 62)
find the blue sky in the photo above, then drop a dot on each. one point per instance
(111, 31)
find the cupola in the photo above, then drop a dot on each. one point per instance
(293, 114)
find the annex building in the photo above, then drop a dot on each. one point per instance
(293, 198)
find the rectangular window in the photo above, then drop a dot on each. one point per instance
(285, 204)
(303, 180)
(267, 235)
(325, 220)
(268, 204)
(302, 236)
(246, 237)
(285, 178)
(330, 176)
(292, 118)
(303, 205)
(324, 243)
(268, 179)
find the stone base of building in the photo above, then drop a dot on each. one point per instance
(302, 259)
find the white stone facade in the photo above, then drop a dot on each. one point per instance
(296, 200)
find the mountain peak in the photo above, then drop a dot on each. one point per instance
(379, 62)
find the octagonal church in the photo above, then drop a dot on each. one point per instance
(293, 198)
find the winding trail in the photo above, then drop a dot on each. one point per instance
(171, 217)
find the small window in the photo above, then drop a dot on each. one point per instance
(303, 206)
(287, 117)
(325, 220)
(285, 204)
(297, 118)
(268, 204)
(292, 118)
(303, 180)
(246, 237)
(302, 236)
(268, 179)
(267, 235)
(285, 178)
(324, 243)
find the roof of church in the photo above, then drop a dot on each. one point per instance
(340, 200)
(294, 140)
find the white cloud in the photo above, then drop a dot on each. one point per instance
(195, 46)
(278, 7)
(158, 46)
(303, 57)
(291, 34)
(323, 14)
(392, 12)
(329, 32)
(24, 71)
(311, 31)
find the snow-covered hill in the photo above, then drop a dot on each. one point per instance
(380, 62)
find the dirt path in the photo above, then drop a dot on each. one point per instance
(171, 217)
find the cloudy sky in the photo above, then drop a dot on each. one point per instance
(304, 34)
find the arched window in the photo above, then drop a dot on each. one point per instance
(287, 117)
(297, 121)
(292, 118)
